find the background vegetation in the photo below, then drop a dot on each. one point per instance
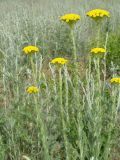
(36, 22)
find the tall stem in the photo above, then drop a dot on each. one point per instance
(62, 115)
(39, 120)
(98, 110)
(66, 95)
(33, 69)
(77, 95)
(105, 69)
(4, 87)
(98, 34)
(113, 120)
(73, 43)
(75, 71)
(40, 124)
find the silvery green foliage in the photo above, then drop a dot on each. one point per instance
(36, 22)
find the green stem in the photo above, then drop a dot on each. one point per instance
(73, 43)
(40, 124)
(75, 71)
(66, 96)
(33, 69)
(62, 115)
(112, 122)
(98, 34)
(5, 89)
(98, 111)
(105, 68)
(77, 95)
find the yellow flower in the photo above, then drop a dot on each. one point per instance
(115, 80)
(59, 61)
(70, 18)
(98, 50)
(30, 49)
(32, 90)
(98, 13)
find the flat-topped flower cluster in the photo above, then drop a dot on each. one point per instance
(32, 89)
(70, 18)
(115, 80)
(30, 49)
(98, 50)
(98, 13)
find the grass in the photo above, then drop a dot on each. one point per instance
(72, 117)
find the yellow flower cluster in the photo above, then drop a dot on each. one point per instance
(98, 50)
(70, 18)
(30, 49)
(32, 90)
(98, 13)
(59, 61)
(115, 80)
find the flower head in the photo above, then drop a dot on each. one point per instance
(98, 50)
(30, 49)
(115, 80)
(61, 61)
(70, 18)
(32, 90)
(98, 13)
